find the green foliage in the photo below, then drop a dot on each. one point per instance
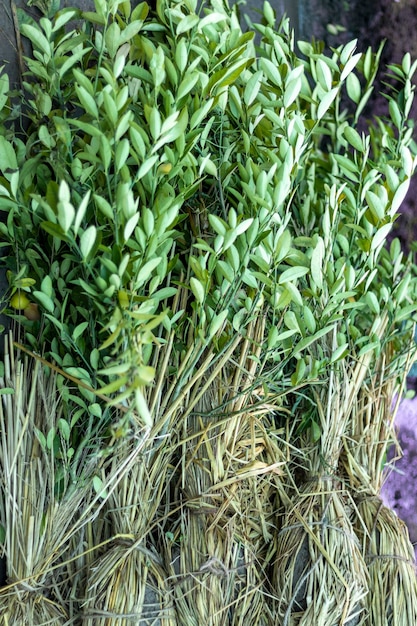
(177, 182)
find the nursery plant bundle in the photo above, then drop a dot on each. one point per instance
(386, 546)
(231, 467)
(127, 583)
(43, 495)
(201, 226)
(321, 571)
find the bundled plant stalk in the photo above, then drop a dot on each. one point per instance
(320, 573)
(40, 507)
(127, 584)
(386, 546)
(209, 218)
(231, 467)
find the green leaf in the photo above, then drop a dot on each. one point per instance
(354, 138)
(87, 241)
(271, 71)
(130, 226)
(353, 88)
(187, 84)
(147, 165)
(130, 31)
(142, 408)
(340, 353)
(105, 208)
(199, 114)
(66, 214)
(324, 75)
(90, 129)
(376, 205)
(315, 431)
(122, 152)
(211, 18)
(181, 54)
(8, 160)
(372, 301)
(399, 196)
(252, 87)
(81, 212)
(37, 38)
(317, 259)
(187, 23)
(395, 113)
(146, 271)
(292, 91)
(113, 38)
(40, 437)
(326, 102)
(64, 429)
(217, 323)
(44, 300)
(350, 66)
(87, 101)
(381, 236)
(307, 341)
(292, 273)
(46, 286)
(198, 290)
(79, 330)
(55, 230)
(100, 487)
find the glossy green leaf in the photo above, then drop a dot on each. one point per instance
(326, 102)
(292, 273)
(87, 241)
(354, 138)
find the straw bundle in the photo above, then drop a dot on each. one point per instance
(389, 554)
(127, 584)
(320, 575)
(386, 547)
(232, 461)
(37, 523)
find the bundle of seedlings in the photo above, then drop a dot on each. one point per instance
(232, 459)
(320, 573)
(340, 228)
(127, 583)
(45, 495)
(209, 217)
(386, 547)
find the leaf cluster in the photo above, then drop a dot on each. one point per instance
(176, 182)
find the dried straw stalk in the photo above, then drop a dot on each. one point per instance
(320, 575)
(230, 474)
(128, 583)
(386, 547)
(37, 524)
(389, 554)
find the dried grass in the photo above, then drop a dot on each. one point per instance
(385, 544)
(320, 575)
(37, 523)
(389, 554)
(126, 584)
(231, 465)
